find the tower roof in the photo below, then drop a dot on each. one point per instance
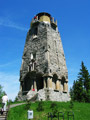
(43, 13)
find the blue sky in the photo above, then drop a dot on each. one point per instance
(73, 18)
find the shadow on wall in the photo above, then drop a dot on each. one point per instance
(32, 80)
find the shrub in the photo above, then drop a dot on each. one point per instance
(40, 106)
(28, 105)
(71, 104)
(54, 108)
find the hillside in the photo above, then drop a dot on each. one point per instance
(81, 111)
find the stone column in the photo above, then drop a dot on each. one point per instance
(20, 86)
(57, 85)
(35, 86)
(53, 85)
(60, 86)
(50, 85)
(44, 82)
(65, 87)
(31, 86)
(32, 65)
(49, 82)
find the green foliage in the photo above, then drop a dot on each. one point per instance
(81, 87)
(71, 104)
(28, 105)
(81, 111)
(54, 108)
(10, 101)
(16, 99)
(40, 106)
(1, 93)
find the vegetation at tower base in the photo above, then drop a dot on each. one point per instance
(81, 87)
(54, 108)
(81, 111)
(40, 106)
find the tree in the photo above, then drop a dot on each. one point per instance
(81, 87)
(84, 75)
(1, 92)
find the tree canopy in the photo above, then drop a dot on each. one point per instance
(80, 90)
(1, 92)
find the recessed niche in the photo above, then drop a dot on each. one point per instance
(50, 70)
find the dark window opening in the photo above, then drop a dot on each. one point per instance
(39, 81)
(35, 31)
(43, 47)
(54, 27)
(55, 77)
(50, 70)
(34, 55)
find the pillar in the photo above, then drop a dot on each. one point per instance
(57, 85)
(32, 65)
(53, 85)
(60, 86)
(44, 82)
(35, 86)
(65, 89)
(21, 87)
(67, 86)
(49, 82)
(31, 86)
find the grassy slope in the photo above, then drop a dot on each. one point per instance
(81, 111)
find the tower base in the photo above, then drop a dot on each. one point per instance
(45, 94)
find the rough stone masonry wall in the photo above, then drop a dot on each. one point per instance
(56, 61)
(35, 45)
(49, 94)
(49, 52)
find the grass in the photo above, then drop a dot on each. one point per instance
(81, 111)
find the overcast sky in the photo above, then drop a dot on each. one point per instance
(73, 17)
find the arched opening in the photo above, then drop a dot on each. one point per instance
(29, 81)
(54, 80)
(33, 81)
(39, 81)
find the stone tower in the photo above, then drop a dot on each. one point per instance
(43, 55)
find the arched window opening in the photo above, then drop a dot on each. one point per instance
(54, 79)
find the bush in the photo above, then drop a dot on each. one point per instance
(54, 108)
(71, 104)
(40, 106)
(28, 105)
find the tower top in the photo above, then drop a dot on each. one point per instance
(43, 13)
(44, 17)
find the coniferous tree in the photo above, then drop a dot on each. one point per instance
(86, 77)
(81, 87)
(84, 74)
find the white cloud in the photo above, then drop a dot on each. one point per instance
(10, 83)
(8, 23)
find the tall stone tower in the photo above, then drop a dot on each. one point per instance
(43, 56)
